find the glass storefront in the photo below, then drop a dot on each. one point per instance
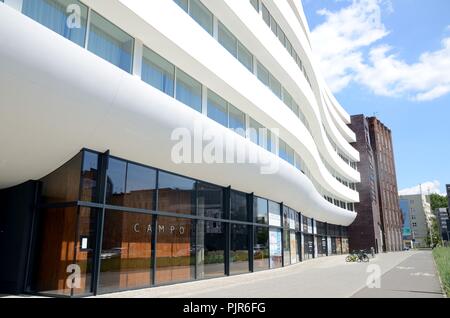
(276, 257)
(322, 246)
(126, 255)
(239, 249)
(175, 253)
(156, 228)
(210, 249)
(308, 246)
(261, 249)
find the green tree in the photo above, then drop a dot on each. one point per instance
(436, 237)
(438, 201)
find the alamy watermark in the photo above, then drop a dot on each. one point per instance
(206, 146)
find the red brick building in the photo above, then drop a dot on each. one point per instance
(379, 221)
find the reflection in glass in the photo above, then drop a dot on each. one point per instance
(89, 177)
(210, 249)
(260, 210)
(60, 244)
(209, 201)
(239, 249)
(55, 15)
(175, 250)
(140, 187)
(293, 241)
(176, 194)
(126, 251)
(115, 184)
(238, 208)
(261, 249)
(63, 184)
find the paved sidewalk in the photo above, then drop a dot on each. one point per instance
(416, 277)
(323, 277)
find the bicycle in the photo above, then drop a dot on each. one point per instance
(357, 256)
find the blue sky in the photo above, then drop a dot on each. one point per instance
(392, 58)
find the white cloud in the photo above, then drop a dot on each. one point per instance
(340, 43)
(426, 188)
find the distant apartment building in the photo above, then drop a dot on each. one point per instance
(379, 222)
(366, 230)
(417, 216)
(443, 220)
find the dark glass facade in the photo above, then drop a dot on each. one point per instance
(105, 224)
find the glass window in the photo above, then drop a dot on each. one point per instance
(202, 15)
(217, 108)
(89, 177)
(276, 258)
(189, 91)
(245, 57)
(209, 201)
(275, 86)
(175, 250)
(140, 187)
(285, 217)
(260, 207)
(239, 246)
(281, 36)
(62, 243)
(309, 246)
(63, 184)
(183, 4)
(158, 72)
(115, 187)
(289, 47)
(210, 249)
(238, 208)
(292, 214)
(287, 99)
(263, 74)
(261, 249)
(266, 15)
(110, 43)
(286, 153)
(260, 135)
(61, 16)
(125, 260)
(293, 242)
(255, 4)
(274, 214)
(273, 25)
(236, 120)
(228, 40)
(176, 194)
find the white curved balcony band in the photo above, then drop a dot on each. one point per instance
(205, 59)
(283, 12)
(96, 105)
(315, 164)
(271, 52)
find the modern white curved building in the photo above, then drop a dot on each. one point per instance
(168, 141)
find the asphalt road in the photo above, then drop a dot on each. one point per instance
(416, 277)
(403, 274)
